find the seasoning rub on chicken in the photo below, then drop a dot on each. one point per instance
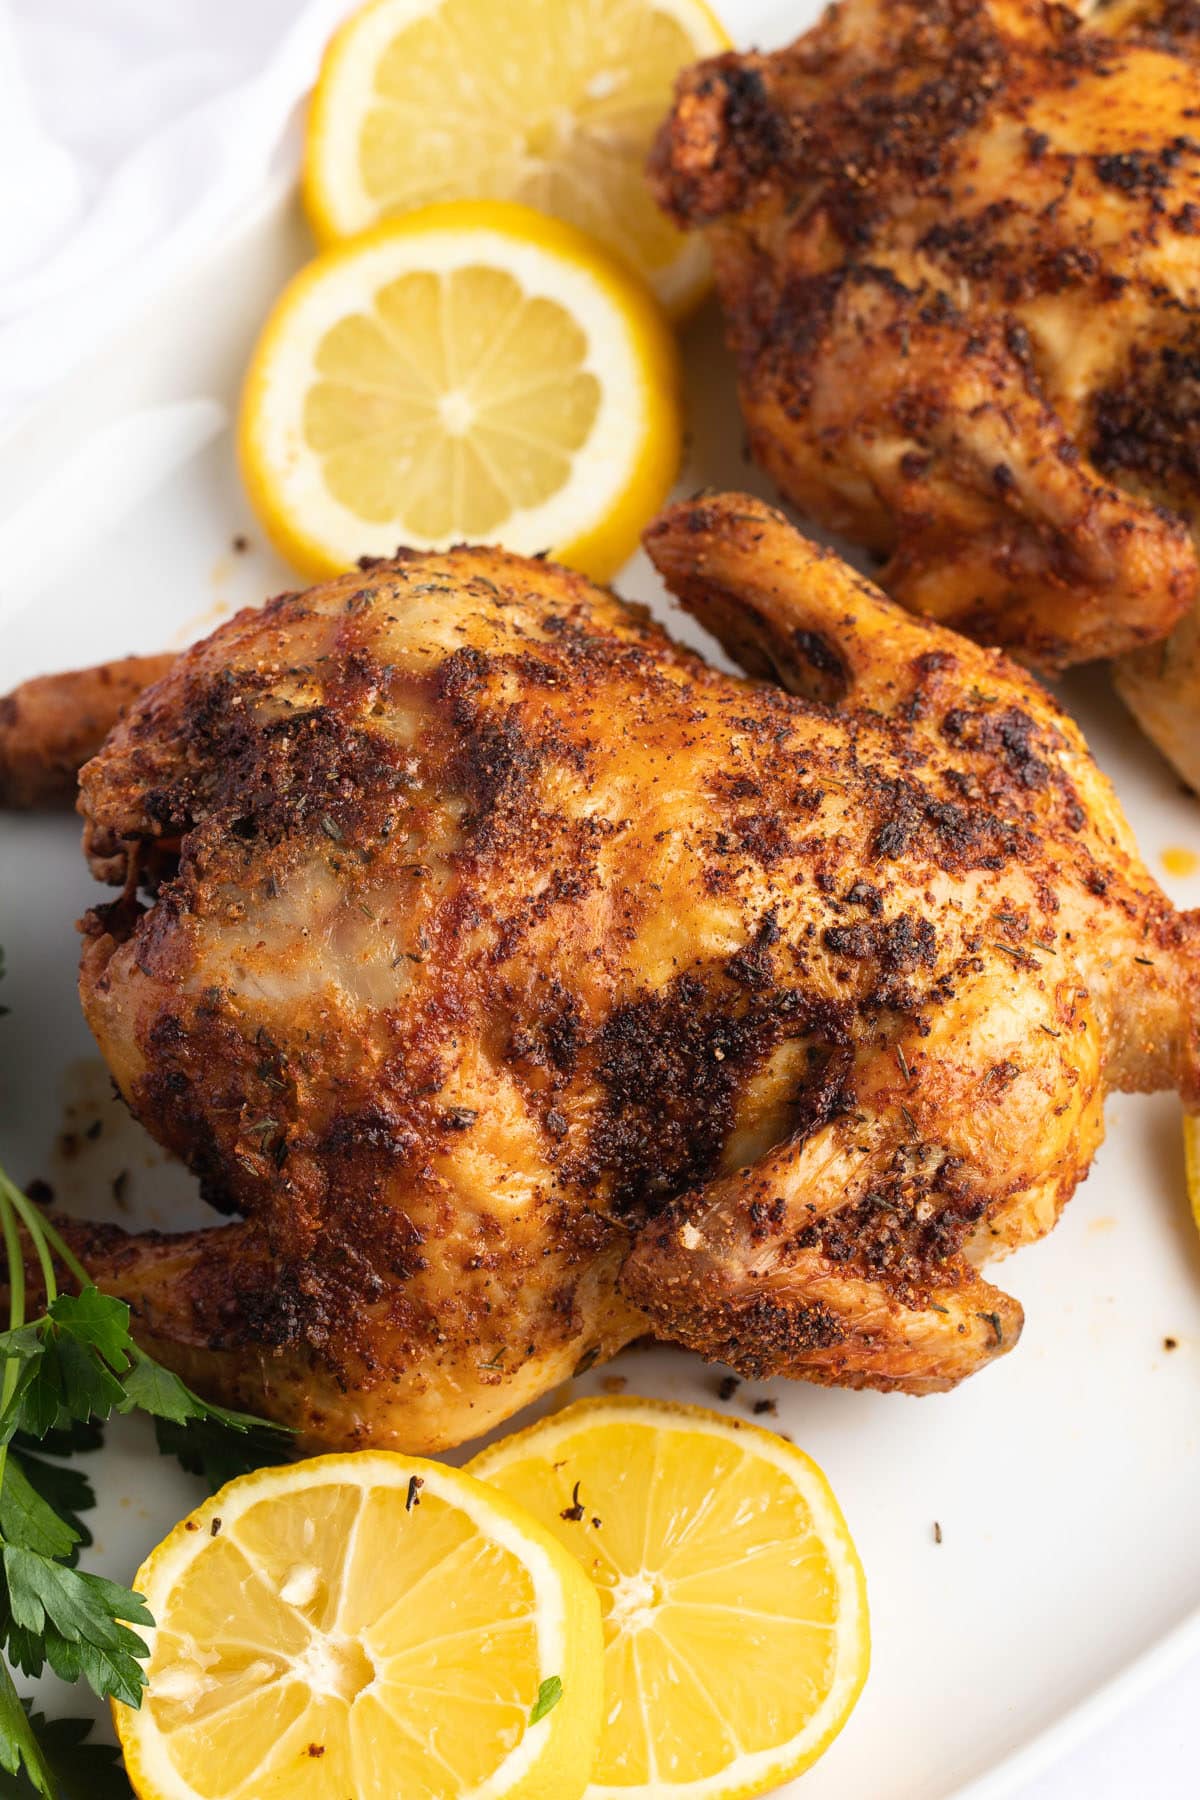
(520, 983)
(958, 247)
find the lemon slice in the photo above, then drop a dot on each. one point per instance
(1191, 1161)
(553, 103)
(735, 1611)
(476, 372)
(364, 1626)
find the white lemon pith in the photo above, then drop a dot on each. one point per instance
(331, 1629)
(554, 104)
(735, 1618)
(473, 372)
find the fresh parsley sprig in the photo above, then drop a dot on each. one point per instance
(67, 1764)
(62, 1374)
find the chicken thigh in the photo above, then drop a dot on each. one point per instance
(520, 983)
(958, 247)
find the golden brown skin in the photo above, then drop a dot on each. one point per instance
(958, 246)
(51, 725)
(526, 983)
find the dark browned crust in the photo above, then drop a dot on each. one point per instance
(914, 219)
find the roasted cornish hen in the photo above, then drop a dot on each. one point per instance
(526, 984)
(958, 247)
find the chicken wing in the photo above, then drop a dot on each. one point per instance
(53, 724)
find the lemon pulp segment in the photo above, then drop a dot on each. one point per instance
(554, 104)
(346, 1633)
(473, 373)
(733, 1601)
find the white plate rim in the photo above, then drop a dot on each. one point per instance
(1144, 1672)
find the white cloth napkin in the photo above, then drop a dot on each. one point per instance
(132, 132)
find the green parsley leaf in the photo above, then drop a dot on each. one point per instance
(67, 1364)
(20, 1752)
(78, 1623)
(210, 1449)
(208, 1440)
(152, 1389)
(26, 1650)
(26, 1518)
(98, 1322)
(67, 1490)
(111, 1672)
(25, 1349)
(548, 1697)
(61, 1376)
(71, 1383)
(81, 1770)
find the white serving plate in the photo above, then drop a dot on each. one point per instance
(1065, 1480)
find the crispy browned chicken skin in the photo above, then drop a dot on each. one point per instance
(526, 984)
(958, 247)
(50, 725)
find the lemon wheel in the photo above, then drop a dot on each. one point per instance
(364, 1626)
(553, 103)
(475, 371)
(735, 1613)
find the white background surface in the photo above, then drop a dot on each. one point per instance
(131, 133)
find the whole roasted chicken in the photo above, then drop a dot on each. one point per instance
(523, 984)
(958, 247)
